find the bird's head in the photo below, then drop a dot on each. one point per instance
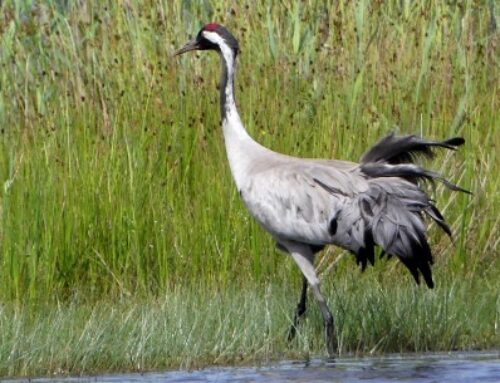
(211, 37)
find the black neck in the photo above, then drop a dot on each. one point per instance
(226, 85)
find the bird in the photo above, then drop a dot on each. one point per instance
(307, 204)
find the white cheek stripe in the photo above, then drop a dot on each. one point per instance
(224, 48)
(235, 135)
(228, 57)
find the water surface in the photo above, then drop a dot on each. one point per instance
(417, 368)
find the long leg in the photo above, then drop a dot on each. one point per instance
(304, 258)
(299, 311)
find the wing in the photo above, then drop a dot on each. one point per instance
(299, 200)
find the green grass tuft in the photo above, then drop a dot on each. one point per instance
(192, 329)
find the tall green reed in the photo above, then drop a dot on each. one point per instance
(114, 174)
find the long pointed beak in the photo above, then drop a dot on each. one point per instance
(189, 46)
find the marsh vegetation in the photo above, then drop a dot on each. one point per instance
(123, 243)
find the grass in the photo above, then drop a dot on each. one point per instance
(192, 330)
(117, 196)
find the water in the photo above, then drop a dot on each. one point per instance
(418, 368)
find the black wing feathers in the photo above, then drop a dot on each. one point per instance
(403, 149)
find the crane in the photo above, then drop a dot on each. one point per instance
(306, 204)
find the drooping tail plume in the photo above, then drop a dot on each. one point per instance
(393, 206)
(403, 149)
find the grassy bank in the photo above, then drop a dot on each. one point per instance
(117, 198)
(192, 329)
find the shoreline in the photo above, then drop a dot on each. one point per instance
(239, 328)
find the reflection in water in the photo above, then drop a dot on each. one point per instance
(417, 368)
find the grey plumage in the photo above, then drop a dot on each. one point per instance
(306, 204)
(355, 206)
